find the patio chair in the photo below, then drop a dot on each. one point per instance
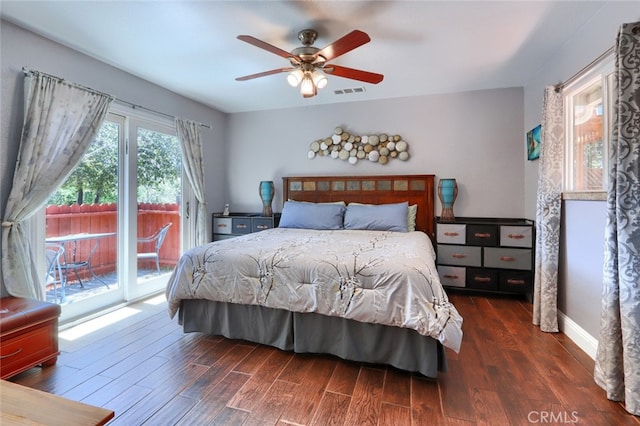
(157, 239)
(75, 265)
(54, 253)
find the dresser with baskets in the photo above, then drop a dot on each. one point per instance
(487, 254)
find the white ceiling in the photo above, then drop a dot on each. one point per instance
(421, 47)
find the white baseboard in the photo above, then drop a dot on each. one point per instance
(578, 335)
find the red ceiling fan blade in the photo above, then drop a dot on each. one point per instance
(264, 74)
(266, 46)
(354, 74)
(355, 38)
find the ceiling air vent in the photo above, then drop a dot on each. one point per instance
(349, 91)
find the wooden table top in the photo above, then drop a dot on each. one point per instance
(20, 405)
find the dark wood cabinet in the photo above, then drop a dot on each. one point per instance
(486, 254)
(236, 224)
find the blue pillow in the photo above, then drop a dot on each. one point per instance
(311, 215)
(381, 217)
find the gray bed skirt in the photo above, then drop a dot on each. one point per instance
(313, 333)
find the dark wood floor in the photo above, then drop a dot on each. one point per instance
(149, 372)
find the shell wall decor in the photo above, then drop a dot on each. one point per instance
(377, 148)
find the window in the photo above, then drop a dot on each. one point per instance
(588, 107)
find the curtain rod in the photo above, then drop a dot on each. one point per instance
(562, 85)
(134, 106)
(28, 71)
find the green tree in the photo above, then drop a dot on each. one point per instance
(159, 167)
(95, 179)
(96, 176)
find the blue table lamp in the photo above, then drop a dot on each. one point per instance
(447, 192)
(266, 191)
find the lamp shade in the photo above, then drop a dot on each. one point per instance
(307, 88)
(294, 78)
(319, 79)
(447, 193)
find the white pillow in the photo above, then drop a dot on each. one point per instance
(411, 217)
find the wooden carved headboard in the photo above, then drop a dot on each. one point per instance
(416, 189)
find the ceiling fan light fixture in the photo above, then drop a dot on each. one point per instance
(309, 67)
(307, 87)
(319, 79)
(295, 77)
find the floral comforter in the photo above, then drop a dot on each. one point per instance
(379, 277)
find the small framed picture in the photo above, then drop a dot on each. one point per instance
(533, 143)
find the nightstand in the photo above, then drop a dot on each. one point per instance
(236, 224)
(486, 254)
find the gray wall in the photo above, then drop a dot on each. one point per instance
(475, 137)
(21, 48)
(581, 258)
(582, 239)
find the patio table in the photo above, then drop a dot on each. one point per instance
(74, 238)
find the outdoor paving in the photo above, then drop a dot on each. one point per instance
(74, 292)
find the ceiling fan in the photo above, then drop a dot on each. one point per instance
(309, 64)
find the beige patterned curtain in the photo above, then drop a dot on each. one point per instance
(60, 123)
(548, 210)
(191, 145)
(617, 368)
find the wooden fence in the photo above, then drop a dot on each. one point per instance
(103, 218)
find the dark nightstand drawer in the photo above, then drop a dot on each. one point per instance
(261, 223)
(222, 225)
(482, 279)
(515, 281)
(482, 235)
(241, 225)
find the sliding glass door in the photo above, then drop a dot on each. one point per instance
(157, 201)
(113, 231)
(81, 226)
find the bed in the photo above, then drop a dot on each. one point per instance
(350, 272)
